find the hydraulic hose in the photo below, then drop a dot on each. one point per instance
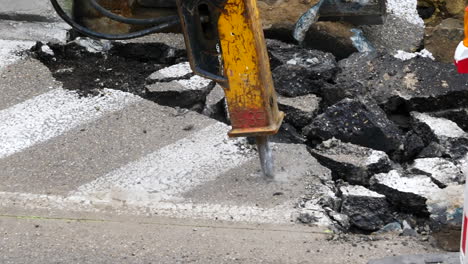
(93, 34)
(131, 21)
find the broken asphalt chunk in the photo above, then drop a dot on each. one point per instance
(417, 84)
(443, 172)
(366, 209)
(352, 163)
(441, 134)
(358, 122)
(297, 71)
(299, 110)
(435, 127)
(178, 86)
(459, 116)
(408, 193)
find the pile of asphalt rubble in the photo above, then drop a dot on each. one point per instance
(393, 132)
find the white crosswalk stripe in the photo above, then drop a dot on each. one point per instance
(10, 50)
(158, 178)
(173, 169)
(153, 184)
(51, 114)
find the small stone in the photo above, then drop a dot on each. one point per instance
(188, 127)
(394, 227)
(47, 50)
(408, 230)
(93, 45)
(342, 219)
(306, 218)
(434, 149)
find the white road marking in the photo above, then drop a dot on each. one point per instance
(53, 113)
(281, 214)
(151, 185)
(172, 169)
(10, 50)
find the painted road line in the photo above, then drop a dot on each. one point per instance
(10, 50)
(53, 113)
(281, 214)
(173, 169)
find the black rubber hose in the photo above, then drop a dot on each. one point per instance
(93, 34)
(131, 21)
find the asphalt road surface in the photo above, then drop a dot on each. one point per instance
(118, 179)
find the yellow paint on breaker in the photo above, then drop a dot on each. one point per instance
(250, 94)
(240, 59)
(465, 41)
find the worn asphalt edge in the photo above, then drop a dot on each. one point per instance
(282, 214)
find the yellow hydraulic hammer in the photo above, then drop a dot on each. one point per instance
(225, 42)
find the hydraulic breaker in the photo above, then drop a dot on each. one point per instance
(225, 43)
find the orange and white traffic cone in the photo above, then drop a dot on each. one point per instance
(461, 61)
(464, 238)
(461, 54)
